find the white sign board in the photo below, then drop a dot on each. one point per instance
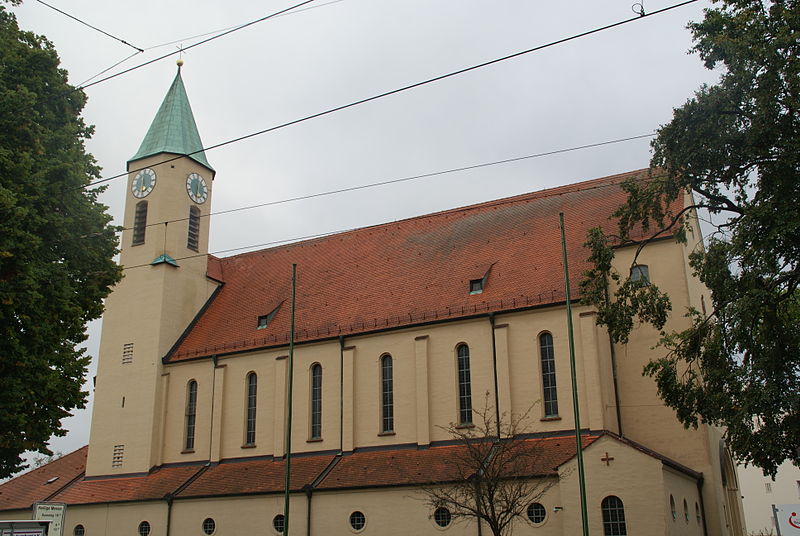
(23, 528)
(53, 512)
(787, 519)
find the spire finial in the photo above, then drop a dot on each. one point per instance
(179, 62)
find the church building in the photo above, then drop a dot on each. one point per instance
(401, 330)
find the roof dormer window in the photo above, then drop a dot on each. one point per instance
(476, 286)
(264, 320)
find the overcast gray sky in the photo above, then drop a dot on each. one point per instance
(620, 83)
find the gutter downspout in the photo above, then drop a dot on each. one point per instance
(214, 362)
(494, 370)
(702, 504)
(614, 371)
(309, 490)
(169, 497)
(341, 394)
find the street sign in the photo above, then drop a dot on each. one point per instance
(53, 512)
(787, 519)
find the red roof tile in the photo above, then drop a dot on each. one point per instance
(152, 486)
(43, 482)
(406, 272)
(255, 476)
(443, 464)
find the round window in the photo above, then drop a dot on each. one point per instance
(442, 516)
(209, 526)
(537, 512)
(278, 523)
(78, 530)
(144, 528)
(357, 520)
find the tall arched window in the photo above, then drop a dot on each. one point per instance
(316, 401)
(549, 392)
(250, 428)
(139, 223)
(191, 414)
(613, 517)
(193, 238)
(387, 394)
(464, 386)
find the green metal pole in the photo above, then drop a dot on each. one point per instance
(576, 409)
(288, 467)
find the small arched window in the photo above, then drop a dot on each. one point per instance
(139, 223)
(549, 391)
(78, 530)
(387, 394)
(464, 386)
(316, 401)
(144, 528)
(672, 508)
(191, 414)
(613, 517)
(685, 511)
(193, 238)
(250, 416)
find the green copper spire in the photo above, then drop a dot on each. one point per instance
(173, 130)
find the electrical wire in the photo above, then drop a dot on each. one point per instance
(140, 50)
(404, 179)
(490, 204)
(204, 41)
(397, 90)
(197, 36)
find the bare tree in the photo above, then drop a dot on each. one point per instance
(493, 476)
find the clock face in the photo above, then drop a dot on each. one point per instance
(196, 188)
(143, 183)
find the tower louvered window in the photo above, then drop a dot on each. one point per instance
(191, 414)
(127, 353)
(139, 223)
(250, 432)
(387, 394)
(549, 391)
(117, 455)
(193, 239)
(464, 386)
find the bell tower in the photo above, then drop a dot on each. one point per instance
(164, 253)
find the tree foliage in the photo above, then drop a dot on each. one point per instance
(491, 473)
(56, 244)
(736, 147)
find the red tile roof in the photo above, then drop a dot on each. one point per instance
(39, 484)
(256, 476)
(406, 272)
(153, 486)
(540, 457)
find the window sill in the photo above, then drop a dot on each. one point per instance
(387, 433)
(187, 451)
(249, 446)
(314, 440)
(465, 425)
(551, 418)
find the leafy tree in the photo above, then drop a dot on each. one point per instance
(736, 147)
(492, 479)
(56, 245)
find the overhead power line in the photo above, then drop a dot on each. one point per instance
(496, 203)
(197, 36)
(90, 26)
(405, 179)
(204, 41)
(401, 89)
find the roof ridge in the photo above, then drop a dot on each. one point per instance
(591, 184)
